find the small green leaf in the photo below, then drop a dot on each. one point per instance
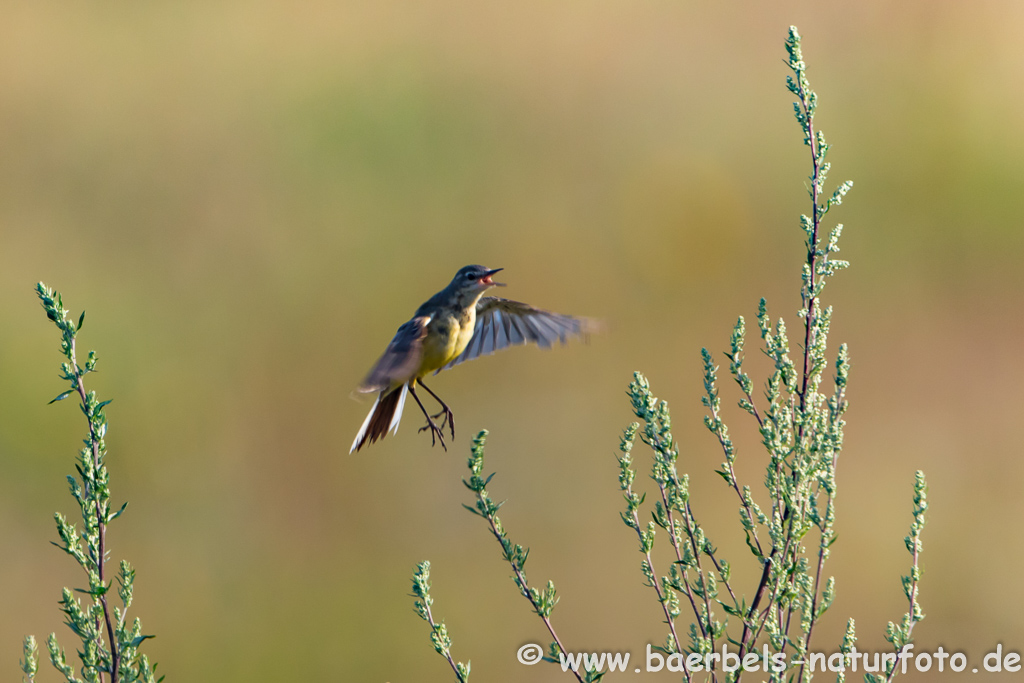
(62, 396)
(118, 513)
(136, 641)
(81, 320)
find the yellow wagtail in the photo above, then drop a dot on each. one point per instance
(457, 324)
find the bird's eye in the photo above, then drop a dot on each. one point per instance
(470, 276)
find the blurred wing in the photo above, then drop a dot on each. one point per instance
(400, 360)
(501, 323)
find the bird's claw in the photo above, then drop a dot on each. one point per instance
(435, 433)
(449, 419)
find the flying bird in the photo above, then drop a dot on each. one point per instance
(457, 324)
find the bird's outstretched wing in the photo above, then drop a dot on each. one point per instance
(400, 360)
(501, 323)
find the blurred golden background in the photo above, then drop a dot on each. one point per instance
(249, 198)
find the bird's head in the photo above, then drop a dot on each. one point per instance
(475, 279)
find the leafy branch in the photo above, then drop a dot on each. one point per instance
(109, 642)
(542, 601)
(438, 631)
(801, 428)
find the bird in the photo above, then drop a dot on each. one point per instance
(455, 325)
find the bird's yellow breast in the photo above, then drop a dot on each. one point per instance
(448, 335)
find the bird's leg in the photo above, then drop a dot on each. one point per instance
(449, 416)
(434, 429)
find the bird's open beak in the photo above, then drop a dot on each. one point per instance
(486, 279)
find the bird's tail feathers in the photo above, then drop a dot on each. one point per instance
(384, 417)
(397, 417)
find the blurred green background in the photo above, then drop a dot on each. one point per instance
(249, 198)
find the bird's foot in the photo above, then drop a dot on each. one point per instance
(449, 419)
(435, 433)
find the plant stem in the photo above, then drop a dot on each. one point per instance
(732, 472)
(521, 582)
(115, 656)
(669, 619)
(446, 653)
